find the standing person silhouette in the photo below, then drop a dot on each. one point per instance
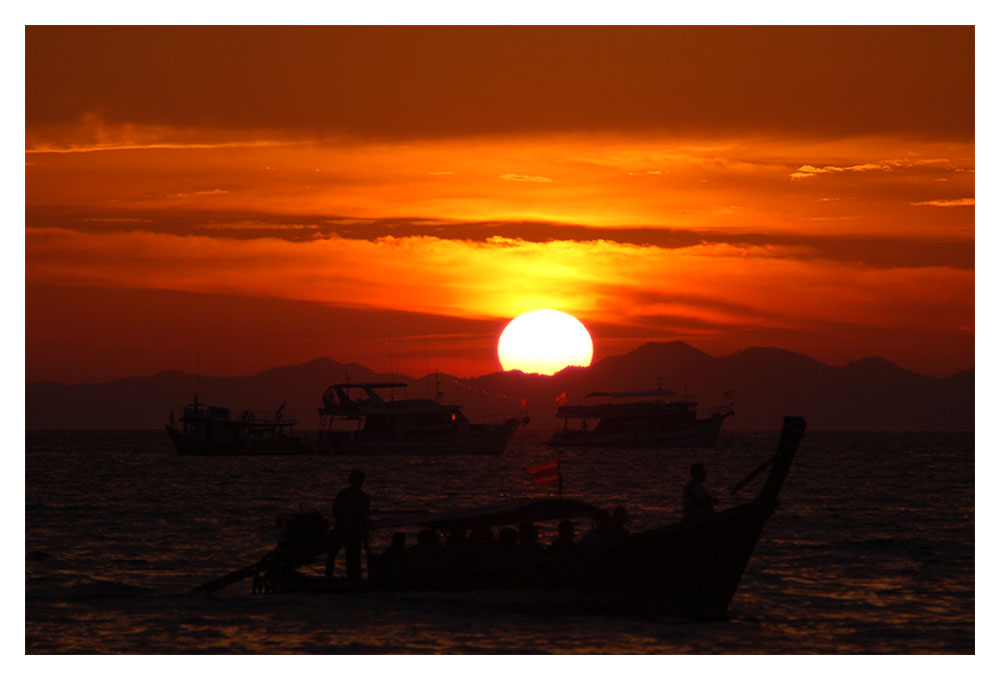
(350, 515)
(698, 503)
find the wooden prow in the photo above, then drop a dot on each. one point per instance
(791, 433)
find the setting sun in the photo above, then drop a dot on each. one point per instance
(544, 341)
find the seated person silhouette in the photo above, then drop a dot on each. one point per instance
(698, 503)
(480, 546)
(564, 541)
(508, 541)
(428, 541)
(456, 538)
(392, 563)
(527, 538)
(481, 534)
(619, 518)
(425, 558)
(601, 532)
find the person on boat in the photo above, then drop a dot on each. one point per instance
(481, 534)
(350, 514)
(619, 518)
(480, 546)
(601, 532)
(426, 556)
(428, 541)
(392, 563)
(698, 503)
(508, 541)
(564, 541)
(527, 538)
(456, 539)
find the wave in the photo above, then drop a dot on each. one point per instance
(50, 588)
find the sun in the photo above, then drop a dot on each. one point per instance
(544, 341)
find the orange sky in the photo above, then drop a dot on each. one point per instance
(271, 195)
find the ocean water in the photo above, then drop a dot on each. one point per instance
(871, 551)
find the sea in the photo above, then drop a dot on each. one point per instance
(870, 552)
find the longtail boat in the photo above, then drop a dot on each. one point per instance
(690, 569)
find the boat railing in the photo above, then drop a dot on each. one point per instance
(497, 418)
(259, 416)
(266, 417)
(721, 410)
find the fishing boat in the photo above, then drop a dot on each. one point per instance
(691, 568)
(361, 419)
(640, 419)
(212, 431)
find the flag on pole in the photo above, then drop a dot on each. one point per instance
(562, 399)
(545, 473)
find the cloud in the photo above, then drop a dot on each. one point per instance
(250, 225)
(124, 220)
(652, 78)
(948, 202)
(207, 192)
(604, 281)
(511, 177)
(806, 171)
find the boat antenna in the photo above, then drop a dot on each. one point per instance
(197, 375)
(427, 364)
(392, 373)
(684, 370)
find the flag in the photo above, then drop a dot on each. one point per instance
(545, 473)
(561, 399)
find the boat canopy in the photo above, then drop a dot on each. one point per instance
(510, 511)
(374, 386)
(642, 393)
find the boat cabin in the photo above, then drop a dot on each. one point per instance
(647, 410)
(215, 424)
(356, 411)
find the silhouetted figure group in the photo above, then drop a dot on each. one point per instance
(478, 547)
(464, 550)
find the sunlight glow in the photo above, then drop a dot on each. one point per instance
(544, 341)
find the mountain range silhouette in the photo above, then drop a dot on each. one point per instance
(767, 383)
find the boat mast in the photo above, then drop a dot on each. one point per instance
(684, 370)
(197, 375)
(392, 374)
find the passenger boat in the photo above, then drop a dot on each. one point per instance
(642, 419)
(356, 419)
(690, 569)
(211, 431)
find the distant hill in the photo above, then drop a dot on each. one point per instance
(767, 383)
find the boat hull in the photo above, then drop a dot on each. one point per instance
(490, 440)
(688, 569)
(194, 446)
(490, 443)
(702, 433)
